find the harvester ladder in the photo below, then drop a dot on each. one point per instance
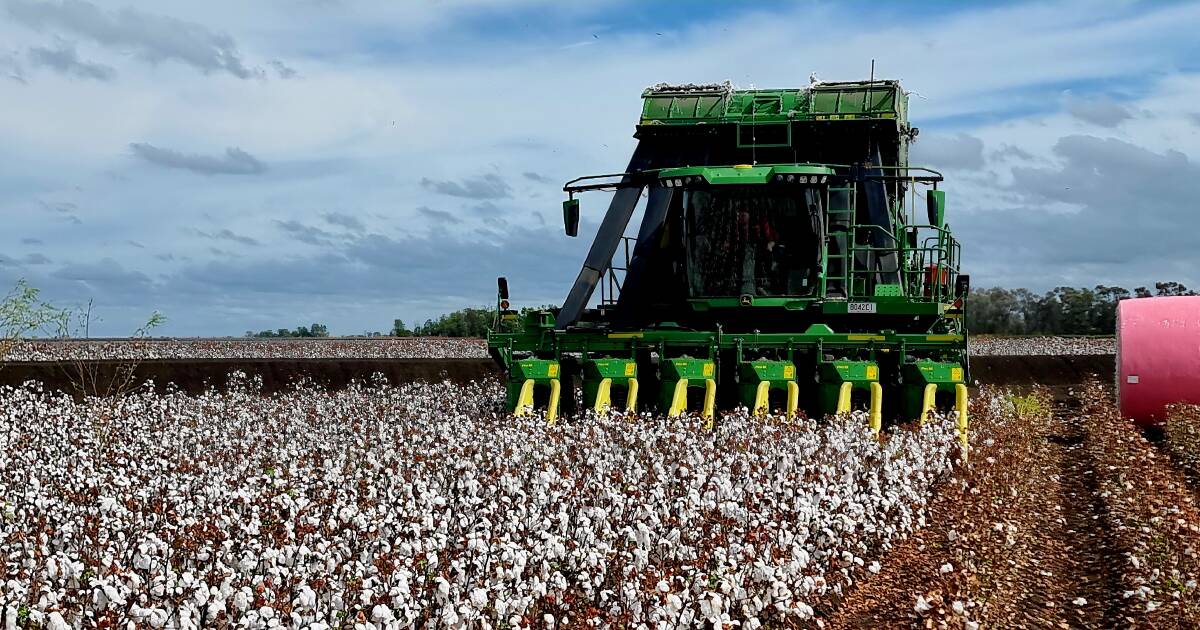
(839, 236)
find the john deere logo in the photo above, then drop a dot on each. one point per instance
(746, 300)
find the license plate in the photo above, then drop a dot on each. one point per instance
(860, 307)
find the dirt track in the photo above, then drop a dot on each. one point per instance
(1068, 521)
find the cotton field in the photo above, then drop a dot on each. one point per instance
(417, 348)
(423, 506)
(309, 348)
(992, 345)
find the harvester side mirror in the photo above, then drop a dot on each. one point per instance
(935, 200)
(502, 288)
(571, 217)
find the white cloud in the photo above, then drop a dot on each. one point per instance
(386, 95)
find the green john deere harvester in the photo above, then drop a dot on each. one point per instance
(789, 259)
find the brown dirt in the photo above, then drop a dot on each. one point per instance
(196, 375)
(1045, 371)
(1058, 524)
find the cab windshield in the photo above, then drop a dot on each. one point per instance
(759, 240)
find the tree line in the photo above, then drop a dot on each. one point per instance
(315, 330)
(1061, 311)
(467, 322)
(996, 311)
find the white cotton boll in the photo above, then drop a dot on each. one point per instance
(479, 598)
(548, 619)
(55, 621)
(946, 568)
(922, 606)
(307, 598)
(1080, 601)
(958, 607)
(241, 600)
(113, 594)
(382, 613)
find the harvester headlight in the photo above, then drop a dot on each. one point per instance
(504, 305)
(678, 183)
(668, 183)
(824, 178)
(804, 179)
(791, 178)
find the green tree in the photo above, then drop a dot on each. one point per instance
(1168, 289)
(1104, 316)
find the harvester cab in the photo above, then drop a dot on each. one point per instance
(781, 263)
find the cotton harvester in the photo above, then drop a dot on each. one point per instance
(782, 263)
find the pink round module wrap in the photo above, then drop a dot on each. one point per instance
(1158, 355)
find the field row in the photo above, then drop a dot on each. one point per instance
(417, 348)
(1070, 517)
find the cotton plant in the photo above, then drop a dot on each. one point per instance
(422, 505)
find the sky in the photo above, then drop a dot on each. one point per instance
(254, 165)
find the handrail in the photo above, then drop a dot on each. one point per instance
(939, 251)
